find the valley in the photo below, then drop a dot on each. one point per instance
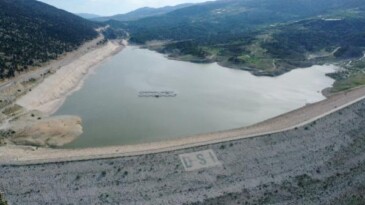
(182, 102)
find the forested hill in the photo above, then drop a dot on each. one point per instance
(32, 32)
(142, 13)
(267, 37)
(226, 19)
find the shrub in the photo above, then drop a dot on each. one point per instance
(2, 200)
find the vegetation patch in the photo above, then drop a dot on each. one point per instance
(2, 200)
(352, 75)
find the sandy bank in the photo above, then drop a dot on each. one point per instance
(49, 95)
(49, 132)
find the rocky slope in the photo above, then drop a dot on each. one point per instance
(319, 163)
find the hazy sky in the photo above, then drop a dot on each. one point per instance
(110, 7)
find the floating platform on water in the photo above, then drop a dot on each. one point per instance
(157, 94)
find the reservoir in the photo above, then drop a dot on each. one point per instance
(202, 98)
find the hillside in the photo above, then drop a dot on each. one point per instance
(88, 16)
(267, 37)
(142, 13)
(222, 20)
(32, 33)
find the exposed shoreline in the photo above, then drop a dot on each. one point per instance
(50, 102)
(50, 94)
(29, 120)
